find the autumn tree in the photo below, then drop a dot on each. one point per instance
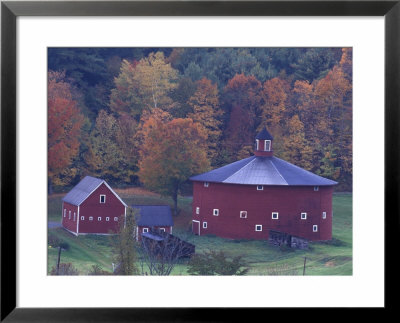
(172, 151)
(110, 153)
(142, 85)
(242, 98)
(296, 149)
(206, 112)
(64, 128)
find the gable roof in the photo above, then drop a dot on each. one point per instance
(84, 189)
(154, 215)
(257, 170)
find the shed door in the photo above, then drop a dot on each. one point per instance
(196, 227)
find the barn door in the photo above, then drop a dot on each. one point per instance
(196, 227)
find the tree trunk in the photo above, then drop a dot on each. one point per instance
(58, 260)
(50, 187)
(175, 198)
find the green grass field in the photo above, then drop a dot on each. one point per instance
(322, 258)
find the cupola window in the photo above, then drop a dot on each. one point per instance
(267, 145)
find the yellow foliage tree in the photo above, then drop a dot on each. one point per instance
(172, 151)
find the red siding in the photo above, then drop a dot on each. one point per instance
(289, 202)
(92, 207)
(69, 222)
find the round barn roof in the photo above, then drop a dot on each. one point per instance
(258, 170)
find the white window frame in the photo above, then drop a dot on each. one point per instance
(115, 218)
(204, 225)
(258, 225)
(324, 215)
(260, 187)
(273, 214)
(215, 212)
(315, 228)
(162, 229)
(65, 213)
(145, 230)
(90, 218)
(316, 188)
(69, 215)
(257, 144)
(303, 215)
(243, 214)
(82, 218)
(74, 216)
(197, 210)
(265, 145)
(99, 218)
(107, 218)
(101, 195)
(206, 184)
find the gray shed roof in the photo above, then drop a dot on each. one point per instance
(154, 215)
(257, 170)
(83, 190)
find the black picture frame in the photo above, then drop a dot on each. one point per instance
(10, 10)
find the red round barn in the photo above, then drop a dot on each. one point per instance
(249, 198)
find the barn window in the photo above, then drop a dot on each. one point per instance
(243, 214)
(206, 184)
(65, 212)
(99, 218)
(69, 215)
(324, 215)
(316, 188)
(275, 215)
(74, 216)
(315, 228)
(197, 210)
(304, 216)
(257, 144)
(204, 225)
(258, 227)
(267, 145)
(115, 218)
(260, 187)
(107, 218)
(102, 199)
(162, 229)
(82, 218)
(90, 218)
(145, 230)
(216, 212)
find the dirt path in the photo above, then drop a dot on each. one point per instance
(53, 225)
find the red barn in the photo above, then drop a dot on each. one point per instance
(250, 197)
(92, 207)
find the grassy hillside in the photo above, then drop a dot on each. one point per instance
(323, 258)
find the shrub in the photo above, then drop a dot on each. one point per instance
(65, 270)
(98, 271)
(216, 263)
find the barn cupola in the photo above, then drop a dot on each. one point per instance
(263, 146)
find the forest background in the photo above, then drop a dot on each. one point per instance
(116, 113)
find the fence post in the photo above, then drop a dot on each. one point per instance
(304, 267)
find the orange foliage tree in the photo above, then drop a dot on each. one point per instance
(206, 112)
(64, 128)
(242, 97)
(172, 151)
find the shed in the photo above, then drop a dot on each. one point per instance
(153, 217)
